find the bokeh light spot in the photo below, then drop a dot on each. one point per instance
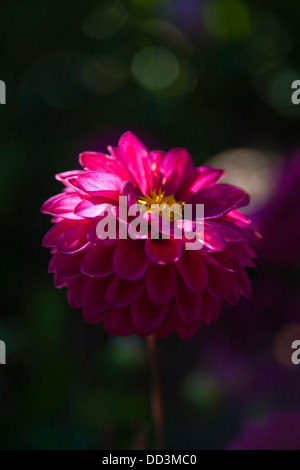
(104, 74)
(155, 68)
(105, 21)
(226, 19)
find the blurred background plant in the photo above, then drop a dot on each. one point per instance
(213, 76)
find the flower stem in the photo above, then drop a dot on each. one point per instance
(157, 402)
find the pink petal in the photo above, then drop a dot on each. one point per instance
(168, 325)
(75, 292)
(200, 178)
(244, 283)
(130, 261)
(220, 199)
(229, 231)
(189, 303)
(134, 155)
(62, 205)
(161, 283)
(186, 331)
(93, 298)
(211, 308)
(51, 238)
(67, 177)
(97, 161)
(229, 259)
(193, 270)
(213, 240)
(74, 239)
(100, 184)
(119, 322)
(94, 317)
(66, 266)
(218, 283)
(93, 207)
(147, 316)
(176, 166)
(97, 261)
(156, 158)
(163, 251)
(122, 293)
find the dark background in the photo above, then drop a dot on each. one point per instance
(208, 75)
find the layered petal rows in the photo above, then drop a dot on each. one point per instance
(144, 285)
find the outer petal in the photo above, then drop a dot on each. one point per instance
(51, 238)
(97, 161)
(93, 207)
(186, 331)
(161, 283)
(75, 292)
(93, 298)
(122, 293)
(200, 178)
(61, 204)
(130, 261)
(74, 239)
(170, 321)
(220, 199)
(146, 315)
(176, 166)
(189, 303)
(66, 266)
(135, 157)
(193, 270)
(97, 261)
(163, 251)
(100, 184)
(119, 322)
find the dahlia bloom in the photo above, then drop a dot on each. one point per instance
(144, 285)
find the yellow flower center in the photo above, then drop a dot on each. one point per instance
(167, 206)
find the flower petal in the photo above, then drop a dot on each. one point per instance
(119, 322)
(97, 161)
(74, 238)
(135, 155)
(220, 199)
(66, 266)
(193, 270)
(93, 207)
(163, 251)
(122, 293)
(200, 178)
(189, 303)
(62, 205)
(130, 261)
(176, 166)
(100, 184)
(75, 292)
(161, 283)
(93, 298)
(170, 321)
(186, 331)
(51, 238)
(146, 315)
(97, 261)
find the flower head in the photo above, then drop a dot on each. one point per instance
(148, 285)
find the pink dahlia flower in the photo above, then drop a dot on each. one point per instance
(144, 285)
